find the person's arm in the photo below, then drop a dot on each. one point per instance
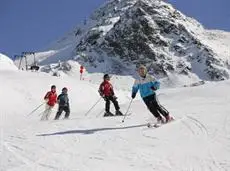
(101, 89)
(155, 85)
(47, 96)
(112, 91)
(58, 99)
(68, 100)
(135, 89)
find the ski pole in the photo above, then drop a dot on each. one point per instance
(93, 106)
(36, 109)
(127, 110)
(43, 112)
(99, 113)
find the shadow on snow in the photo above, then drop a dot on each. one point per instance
(91, 131)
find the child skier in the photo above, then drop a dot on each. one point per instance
(51, 98)
(147, 86)
(106, 92)
(63, 102)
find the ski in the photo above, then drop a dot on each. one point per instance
(116, 115)
(157, 125)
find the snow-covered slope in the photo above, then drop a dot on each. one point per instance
(6, 63)
(198, 139)
(219, 41)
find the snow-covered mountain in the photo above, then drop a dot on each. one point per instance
(125, 33)
(153, 33)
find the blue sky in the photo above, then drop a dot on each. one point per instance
(30, 25)
(213, 14)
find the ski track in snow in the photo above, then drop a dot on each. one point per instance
(195, 128)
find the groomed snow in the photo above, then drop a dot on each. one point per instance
(6, 63)
(198, 139)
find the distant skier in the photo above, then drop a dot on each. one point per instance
(51, 98)
(106, 91)
(63, 102)
(147, 85)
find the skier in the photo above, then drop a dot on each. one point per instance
(63, 101)
(147, 85)
(107, 93)
(51, 98)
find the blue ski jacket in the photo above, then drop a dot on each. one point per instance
(147, 86)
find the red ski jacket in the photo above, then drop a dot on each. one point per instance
(51, 97)
(106, 89)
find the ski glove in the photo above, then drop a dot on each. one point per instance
(104, 97)
(133, 95)
(100, 92)
(153, 88)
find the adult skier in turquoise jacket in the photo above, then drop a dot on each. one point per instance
(147, 85)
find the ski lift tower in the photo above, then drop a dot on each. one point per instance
(20, 61)
(34, 65)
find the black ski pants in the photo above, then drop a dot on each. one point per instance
(61, 109)
(154, 107)
(113, 100)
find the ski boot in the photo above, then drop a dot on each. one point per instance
(56, 118)
(168, 118)
(119, 113)
(160, 120)
(108, 114)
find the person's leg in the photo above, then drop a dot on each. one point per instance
(67, 112)
(160, 108)
(115, 103)
(60, 110)
(107, 104)
(49, 112)
(44, 115)
(107, 107)
(150, 103)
